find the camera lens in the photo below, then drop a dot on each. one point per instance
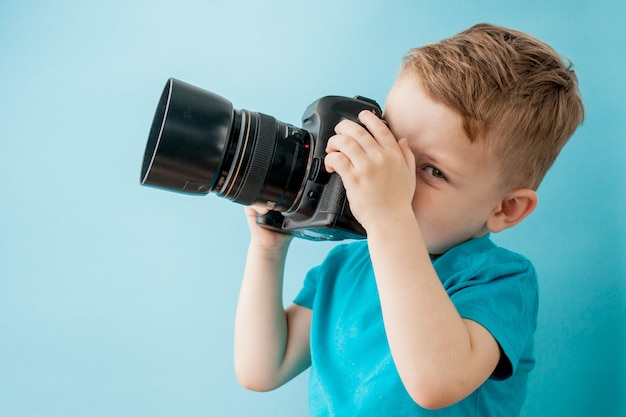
(199, 144)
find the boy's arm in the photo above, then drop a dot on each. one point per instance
(271, 343)
(441, 357)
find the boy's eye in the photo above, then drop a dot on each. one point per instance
(435, 172)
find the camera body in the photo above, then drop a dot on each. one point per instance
(199, 144)
(323, 212)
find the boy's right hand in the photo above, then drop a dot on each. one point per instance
(263, 237)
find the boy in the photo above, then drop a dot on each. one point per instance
(427, 313)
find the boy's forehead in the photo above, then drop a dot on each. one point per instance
(436, 131)
(410, 109)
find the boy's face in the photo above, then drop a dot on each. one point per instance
(457, 180)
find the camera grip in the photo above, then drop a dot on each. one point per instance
(272, 220)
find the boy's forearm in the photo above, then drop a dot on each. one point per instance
(271, 343)
(260, 324)
(439, 358)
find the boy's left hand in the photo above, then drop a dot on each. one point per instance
(377, 171)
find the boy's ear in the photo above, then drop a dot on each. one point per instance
(513, 209)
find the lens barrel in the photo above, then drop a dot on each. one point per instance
(187, 140)
(199, 144)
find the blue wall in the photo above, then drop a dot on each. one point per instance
(118, 300)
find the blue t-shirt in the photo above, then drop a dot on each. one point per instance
(352, 371)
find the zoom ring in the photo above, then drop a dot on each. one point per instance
(260, 161)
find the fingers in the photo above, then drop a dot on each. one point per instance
(256, 208)
(371, 131)
(346, 153)
(407, 153)
(336, 161)
(378, 129)
(354, 143)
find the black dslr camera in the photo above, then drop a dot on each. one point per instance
(198, 143)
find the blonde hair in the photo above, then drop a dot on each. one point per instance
(510, 89)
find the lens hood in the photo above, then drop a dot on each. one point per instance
(187, 140)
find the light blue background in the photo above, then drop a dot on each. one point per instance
(118, 300)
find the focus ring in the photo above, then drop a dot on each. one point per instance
(260, 160)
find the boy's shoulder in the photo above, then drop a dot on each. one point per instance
(478, 258)
(481, 258)
(348, 255)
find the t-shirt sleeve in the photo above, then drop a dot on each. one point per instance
(333, 260)
(503, 298)
(307, 294)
